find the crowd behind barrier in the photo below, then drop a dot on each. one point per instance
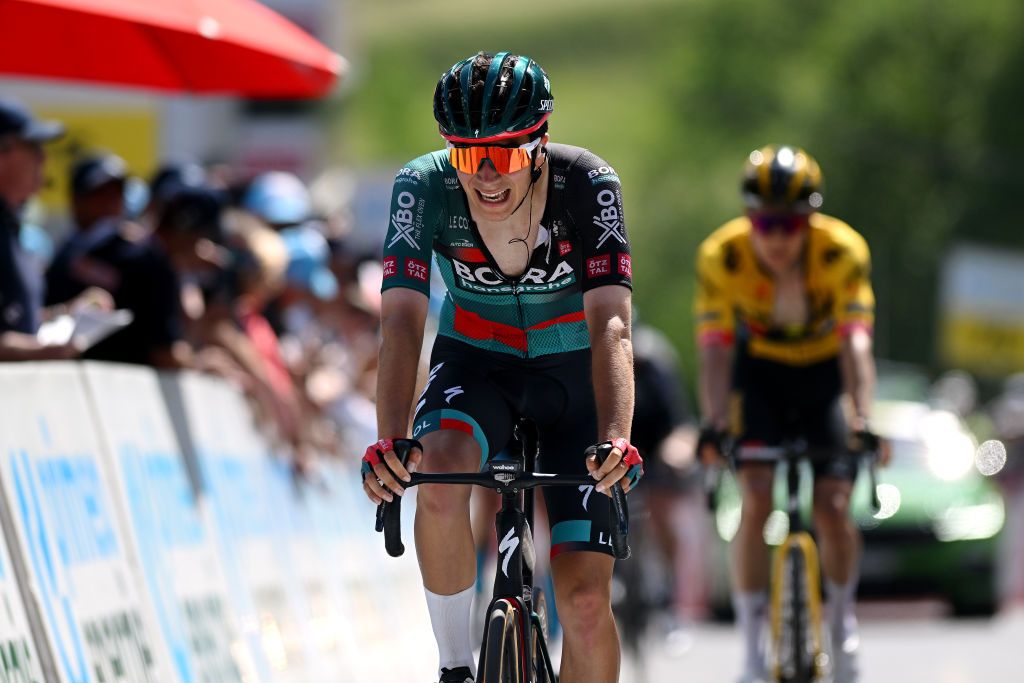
(151, 533)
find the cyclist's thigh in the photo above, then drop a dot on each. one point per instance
(825, 428)
(756, 421)
(460, 396)
(563, 406)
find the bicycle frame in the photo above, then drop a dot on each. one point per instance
(798, 538)
(513, 479)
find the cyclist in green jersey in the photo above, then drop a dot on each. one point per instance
(530, 239)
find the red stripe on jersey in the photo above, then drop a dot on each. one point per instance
(452, 423)
(469, 254)
(567, 318)
(470, 324)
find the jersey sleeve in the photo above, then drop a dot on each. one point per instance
(716, 322)
(416, 209)
(595, 206)
(855, 303)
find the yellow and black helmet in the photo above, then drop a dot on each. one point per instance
(782, 176)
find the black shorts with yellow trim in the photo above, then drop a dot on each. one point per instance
(484, 393)
(774, 403)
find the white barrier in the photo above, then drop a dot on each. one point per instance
(144, 564)
(19, 659)
(66, 528)
(171, 539)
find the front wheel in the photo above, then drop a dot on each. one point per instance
(797, 650)
(543, 672)
(502, 656)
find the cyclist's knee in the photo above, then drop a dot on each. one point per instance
(448, 450)
(832, 508)
(583, 607)
(444, 501)
(756, 507)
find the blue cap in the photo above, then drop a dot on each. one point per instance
(16, 119)
(279, 198)
(308, 255)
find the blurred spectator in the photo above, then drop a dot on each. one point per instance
(279, 198)
(169, 180)
(113, 253)
(1008, 420)
(235, 325)
(665, 434)
(22, 160)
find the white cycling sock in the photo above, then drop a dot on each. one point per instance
(751, 609)
(450, 619)
(842, 619)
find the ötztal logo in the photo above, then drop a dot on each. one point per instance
(416, 269)
(564, 247)
(599, 265)
(625, 265)
(390, 266)
(401, 220)
(609, 219)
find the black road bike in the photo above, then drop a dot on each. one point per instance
(514, 646)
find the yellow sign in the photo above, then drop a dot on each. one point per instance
(131, 133)
(983, 345)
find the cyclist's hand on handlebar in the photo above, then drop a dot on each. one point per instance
(711, 446)
(863, 440)
(382, 469)
(622, 464)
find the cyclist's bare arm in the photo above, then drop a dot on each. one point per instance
(715, 383)
(858, 366)
(607, 310)
(403, 314)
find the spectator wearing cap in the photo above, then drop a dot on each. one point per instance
(97, 211)
(309, 282)
(111, 252)
(280, 199)
(22, 160)
(168, 181)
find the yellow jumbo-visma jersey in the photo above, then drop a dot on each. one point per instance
(736, 296)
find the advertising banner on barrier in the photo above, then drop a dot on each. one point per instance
(97, 626)
(19, 659)
(377, 588)
(172, 536)
(337, 644)
(234, 466)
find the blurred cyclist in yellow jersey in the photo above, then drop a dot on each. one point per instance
(784, 319)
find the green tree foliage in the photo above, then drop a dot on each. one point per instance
(912, 109)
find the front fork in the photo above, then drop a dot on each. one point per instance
(513, 578)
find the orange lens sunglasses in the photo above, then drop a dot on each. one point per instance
(505, 159)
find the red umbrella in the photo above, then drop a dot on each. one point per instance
(208, 46)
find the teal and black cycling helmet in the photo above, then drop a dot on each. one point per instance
(488, 98)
